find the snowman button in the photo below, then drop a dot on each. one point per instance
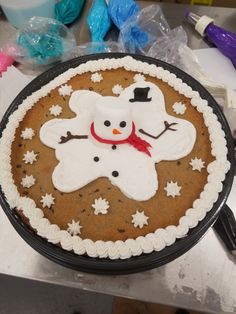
(96, 158)
(115, 173)
(113, 147)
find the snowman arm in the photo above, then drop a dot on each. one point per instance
(174, 145)
(167, 127)
(52, 131)
(69, 136)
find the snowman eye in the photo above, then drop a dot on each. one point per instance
(123, 124)
(107, 123)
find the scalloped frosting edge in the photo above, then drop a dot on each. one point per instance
(162, 237)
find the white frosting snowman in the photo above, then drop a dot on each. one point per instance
(120, 138)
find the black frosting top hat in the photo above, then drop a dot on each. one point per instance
(141, 94)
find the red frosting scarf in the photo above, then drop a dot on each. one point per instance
(133, 140)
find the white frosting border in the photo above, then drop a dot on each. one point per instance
(162, 237)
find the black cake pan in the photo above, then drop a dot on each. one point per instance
(144, 261)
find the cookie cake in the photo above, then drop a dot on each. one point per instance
(113, 158)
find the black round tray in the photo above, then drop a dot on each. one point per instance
(144, 261)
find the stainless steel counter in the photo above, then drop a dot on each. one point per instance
(203, 279)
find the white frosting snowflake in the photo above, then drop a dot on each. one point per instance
(27, 134)
(139, 219)
(29, 157)
(179, 108)
(96, 77)
(139, 77)
(100, 206)
(47, 200)
(117, 89)
(65, 90)
(74, 227)
(197, 164)
(172, 189)
(28, 181)
(55, 110)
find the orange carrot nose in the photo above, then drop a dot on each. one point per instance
(116, 131)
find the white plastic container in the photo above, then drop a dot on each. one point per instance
(19, 11)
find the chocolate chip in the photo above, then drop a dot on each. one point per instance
(120, 201)
(18, 166)
(24, 171)
(120, 230)
(115, 173)
(19, 145)
(80, 195)
(83, 210)
(178, 162)
(62, 193)
(109, 188)
(203, 133)
(96, 158)
(113, 147)
(95, 191)
(90, 88)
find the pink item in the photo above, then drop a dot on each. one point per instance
(5, 61)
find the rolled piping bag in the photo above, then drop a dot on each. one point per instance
(67, 11)
(124, 14)
(224, 40)
(121, 10)
(98, 20)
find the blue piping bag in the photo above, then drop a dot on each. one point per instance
(124, 15)
(98, 20)
(121, 10)
(67, 11)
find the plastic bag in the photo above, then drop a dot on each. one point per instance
(42, 41)
(140, 31)
(169, 46)
(166, 47)
(96, 47)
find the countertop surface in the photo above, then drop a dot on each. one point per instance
(203, 279)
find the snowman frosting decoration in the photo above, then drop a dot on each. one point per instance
(120, 138)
